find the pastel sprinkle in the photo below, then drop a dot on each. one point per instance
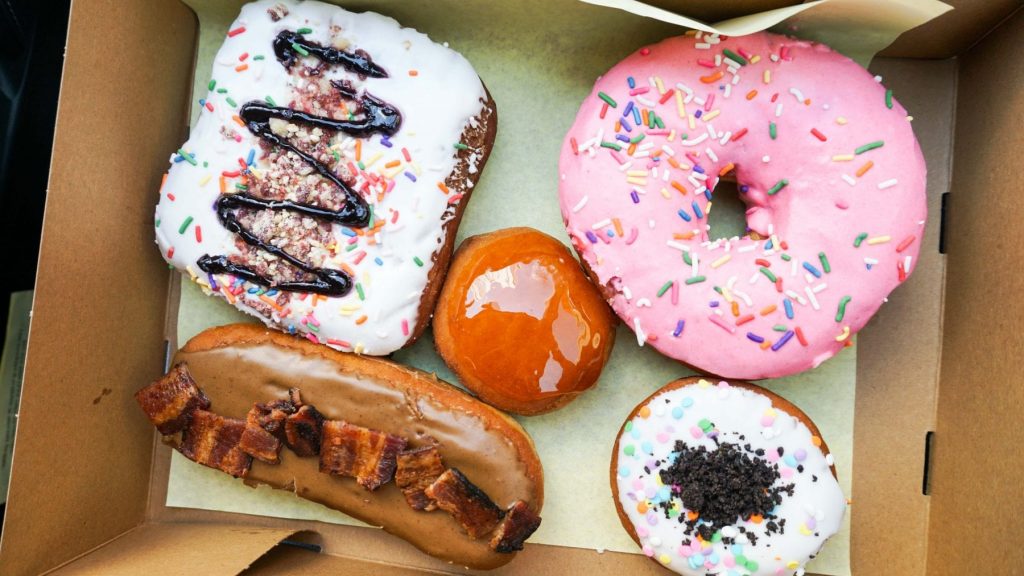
(695, 280)
(842, 308)
(824, 263)
(860, 238)
(734, 57)
(776, 188)
(869, 146)
(888, 99)
(664, 288)
(417, 260)
(608, 99)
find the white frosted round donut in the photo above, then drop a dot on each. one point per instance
(827, 165)
(724, 478)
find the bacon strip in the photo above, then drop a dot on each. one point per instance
(418, 469)
(260, 444)
(519, 524)
(303, 431)
(214, 441)
(469, 505)
(367, 455)
(170, 401)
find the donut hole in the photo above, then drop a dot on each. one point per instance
(727, 217)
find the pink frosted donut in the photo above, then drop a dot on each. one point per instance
(827, 166)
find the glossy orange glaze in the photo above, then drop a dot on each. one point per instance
(519, 323)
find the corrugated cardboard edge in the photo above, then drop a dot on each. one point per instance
(183, 549)
(977, 494)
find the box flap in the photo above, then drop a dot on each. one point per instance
(955, 31)
(976, 494)
(88, 352)
(156, 549)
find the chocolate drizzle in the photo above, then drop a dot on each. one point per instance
(377, 117)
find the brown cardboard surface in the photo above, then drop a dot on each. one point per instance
(977, 452)
(954, 32)
(82, 454)
(229, 549)
(897, 366)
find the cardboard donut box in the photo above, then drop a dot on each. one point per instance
(939, 404)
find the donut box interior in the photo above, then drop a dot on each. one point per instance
(937, 428)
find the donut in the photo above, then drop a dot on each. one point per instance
(322, 185)
(519, 323)
(825, 161)
(724, 478)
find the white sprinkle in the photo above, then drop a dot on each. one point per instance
(799, 95)
(668, 150)
(711, 154)
(711, 132)
(659, 411)
(641, 338)
(694, 265)
(686, 89)
(774, 57)
(878, 78)
(812, 298)
(766, 158)
(646, 102)
(601, 224)
(730, 62)
(906, 264)
(735, 80)
(729, 531)
(702, 46)
(819, 287)
(643, 303)
(725, 138)
(870, 261)
(650, 223)
(728, 89)
(695, 141)
(744, 296)
(579, 205)
(829, 459)
(626, 166)
(699, 176)
(778, 109)
(792, 267)
(747, 248)
(887, 184)
(627, 293)
(848, 179)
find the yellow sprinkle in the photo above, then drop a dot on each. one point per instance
(416, 168)
(665, 193)
(637, 181)
(642, 173)
(842, 158)
(845, 334)
(841, 121)
(373, 159)
(755, 59)
(359, 348)
(767, 77)
(205, 179)
(390, 174)
(793, 564)
(805, 532)
(710, 115)
(721, 261)
(879, 240)
(672, 135)
(727, 294)
(703, 383)
(770, 412)
(691, 121)
(679, 104)
(665, 559)
(659, 84)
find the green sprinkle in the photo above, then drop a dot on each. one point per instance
(337, 157)
(157, 222)
(860, 238)
(242, 187)
(211, 85)
(695, 280)
(658, 122)
(778, 186)
(351, 247)
(752, 566)
(184, 225)
(629, 450)
(718, 289)
(417, 260)
(312, 327)
(258, 57)
(734, 56)
(188, 157)
(705, 424)
(716, 537)
(611, 145)
(664, 288)
(686, 258)
(300, 49)
(741, 560)
(369, 224)
(869, 146)
(888, 98)
(628, 426)
(650, 119)
(270, 100)
(824, 262)
(786, 257)
(779, 328)
(361, 165)
(842, 308)
(359, 290)
(461, 146)
(772, 131)
(206, 164)
(231, 102)
(637, 138)
(768, 274)
(304, 31)
(607, 99)
(222, 90)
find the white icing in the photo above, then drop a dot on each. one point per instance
(436, 106)
(733, 411)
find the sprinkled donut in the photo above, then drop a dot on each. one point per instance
(826, 163)
(725, 479)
